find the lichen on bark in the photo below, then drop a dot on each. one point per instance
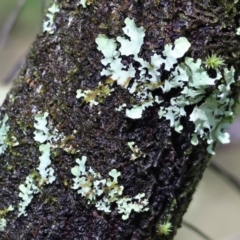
(61, 63)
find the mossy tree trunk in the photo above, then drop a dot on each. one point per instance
(66, 60)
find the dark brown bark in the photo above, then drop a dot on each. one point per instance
(68, 60)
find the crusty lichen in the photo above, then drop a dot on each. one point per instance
(104, 192)
(3, 134)
(189, 76)
(48, 25)
(85, 3)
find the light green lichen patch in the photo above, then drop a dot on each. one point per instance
(189, 77)
(136, 151)
(6, 140)
(121, 107)
(27, 190)
(45, 171)
(3, 220)
(41, 131)
(3, 134)
(137, 204)
(43, 136)
(3, 224)
(149, 79)
(103, 192)
(238, 31)
(215, 114)
(48, 25)
(210, 117)
(50, 138)
(47, 137)
(84, 3)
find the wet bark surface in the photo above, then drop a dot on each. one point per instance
(68, 60)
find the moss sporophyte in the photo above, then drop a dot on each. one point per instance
(214, 61)
(189, 79)
(164, 228)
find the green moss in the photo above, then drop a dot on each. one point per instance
(214, 61)
(164, 228)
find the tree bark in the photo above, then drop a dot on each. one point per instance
(170, 166)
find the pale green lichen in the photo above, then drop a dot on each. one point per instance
(6, 140)
(47, 137)
(27, 190)
(137, 204)
(45, 171)
(3, 134)
(103, 192)
(43, 135)
(136, 151)
(3, 224)
(3, 220)
(238, 31)
(124, 74)
(210, 117)
(84, 3)
(136, 35)
(48, 25)
(121, 107)
(41, 131)
(215, 114)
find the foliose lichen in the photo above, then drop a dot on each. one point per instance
(43, 136)
(84, 3)
(3, 134)
(103, 192)
(27, 190)
(210, 115)
(136, 151)
(6, 139)
(31, 185)
(3, 213)
(48, 25)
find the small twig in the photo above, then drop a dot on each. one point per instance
(228, 176)
(196, 230)
(11, 20)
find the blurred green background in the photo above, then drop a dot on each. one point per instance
(215, 209)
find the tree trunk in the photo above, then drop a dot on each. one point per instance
(144, 168)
